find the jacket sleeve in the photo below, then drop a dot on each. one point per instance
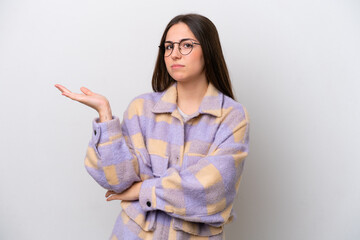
(205, 191)
(113, 158)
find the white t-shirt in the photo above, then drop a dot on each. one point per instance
(184, 115)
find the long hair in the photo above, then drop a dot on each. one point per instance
(205, 31)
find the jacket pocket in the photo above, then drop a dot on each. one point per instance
(159, 164)
(145, 220)
(197, 229)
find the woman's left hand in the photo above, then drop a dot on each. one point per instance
(131, 194)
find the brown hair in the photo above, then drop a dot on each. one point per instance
(215, 67)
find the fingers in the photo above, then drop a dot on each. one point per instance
(109, 192)
(114, 197)
(62, 88)
(74, 96)
(111, 195)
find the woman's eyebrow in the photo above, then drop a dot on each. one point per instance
(181, 40)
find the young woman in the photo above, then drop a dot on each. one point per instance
(176, 159)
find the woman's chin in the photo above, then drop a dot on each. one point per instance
(179, 78)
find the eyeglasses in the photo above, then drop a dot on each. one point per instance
(185, 46)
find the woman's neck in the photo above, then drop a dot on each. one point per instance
(190, 95)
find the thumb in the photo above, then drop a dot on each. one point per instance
(86, 91)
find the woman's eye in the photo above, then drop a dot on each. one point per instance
(168, 47)
(187, 45)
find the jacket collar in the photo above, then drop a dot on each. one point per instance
(210, 104)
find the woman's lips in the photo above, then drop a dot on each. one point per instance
(177, 66)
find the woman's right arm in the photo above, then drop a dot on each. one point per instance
(113, 159)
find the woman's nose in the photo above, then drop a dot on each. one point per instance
(176, 52)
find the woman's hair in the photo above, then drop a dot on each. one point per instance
(215, 67)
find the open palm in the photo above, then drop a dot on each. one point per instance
(91, 99)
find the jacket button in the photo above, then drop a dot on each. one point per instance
(94, 132)
(148, 203)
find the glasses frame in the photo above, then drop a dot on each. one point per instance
(173, 44)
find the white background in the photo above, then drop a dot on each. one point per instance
(295, 65)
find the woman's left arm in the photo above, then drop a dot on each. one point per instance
(205, 191)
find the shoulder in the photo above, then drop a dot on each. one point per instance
(234, 121)
(143, 102)
(150, 97)
(233, 111)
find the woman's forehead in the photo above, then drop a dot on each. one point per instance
(179, 31)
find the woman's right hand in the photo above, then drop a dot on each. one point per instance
(91, 99)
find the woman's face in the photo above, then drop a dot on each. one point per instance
(184, 68)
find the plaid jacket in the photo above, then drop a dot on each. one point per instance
(190, 170)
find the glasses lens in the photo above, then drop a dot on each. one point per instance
(186, 46)
(168, 47)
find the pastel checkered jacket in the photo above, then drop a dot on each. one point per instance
(190, 170)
